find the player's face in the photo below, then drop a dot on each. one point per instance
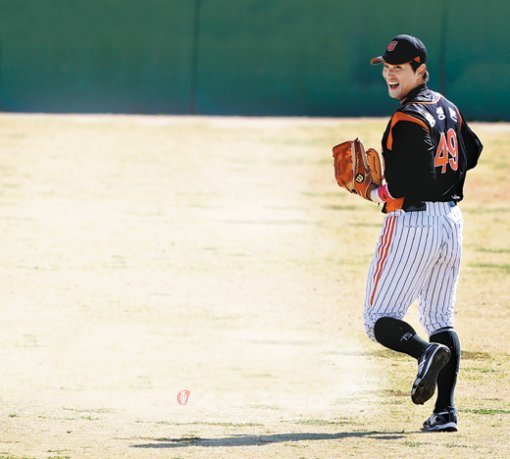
(401, 79)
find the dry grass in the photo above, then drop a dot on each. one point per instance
(145, 255)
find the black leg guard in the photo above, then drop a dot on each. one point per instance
(447, 378)
(399, 336)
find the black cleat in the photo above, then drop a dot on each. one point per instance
(444, 421)
(434, 358)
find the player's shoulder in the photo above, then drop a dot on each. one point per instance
(423, 107)
(421, 101)
(422, 95)
(410, 114)
(432, 108)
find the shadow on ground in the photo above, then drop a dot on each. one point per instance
(250, 440)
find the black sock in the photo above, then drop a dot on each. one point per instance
(448, 376)
(399, 336)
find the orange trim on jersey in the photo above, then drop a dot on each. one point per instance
(400, 116)
(382, 254)
(394, 204)
(435, 101)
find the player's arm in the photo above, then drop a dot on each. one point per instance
(410, 163)
(472, 143)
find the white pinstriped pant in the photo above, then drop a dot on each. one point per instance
(417, 257)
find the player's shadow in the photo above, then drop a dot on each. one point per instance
(257, 440)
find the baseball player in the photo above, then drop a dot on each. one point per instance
(428, 148)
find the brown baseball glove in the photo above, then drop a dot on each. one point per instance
(357, 170)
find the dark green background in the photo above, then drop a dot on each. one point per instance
(246, 57)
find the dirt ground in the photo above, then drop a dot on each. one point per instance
(146, 255)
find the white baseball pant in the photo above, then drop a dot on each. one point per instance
(417, 257)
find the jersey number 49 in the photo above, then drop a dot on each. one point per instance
(446, 154)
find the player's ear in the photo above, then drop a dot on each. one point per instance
(421, 70)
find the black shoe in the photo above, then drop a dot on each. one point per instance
(444, 421)
(434, 358)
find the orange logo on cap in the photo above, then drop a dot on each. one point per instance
(392, 45)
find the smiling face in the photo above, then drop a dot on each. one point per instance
(402, 78)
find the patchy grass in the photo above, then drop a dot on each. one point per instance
(146, 255)
(486, 411)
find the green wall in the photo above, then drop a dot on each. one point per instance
(96, 55)
(249, 57)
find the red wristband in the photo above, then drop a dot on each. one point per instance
(383, 193)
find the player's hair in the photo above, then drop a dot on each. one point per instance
(415, 65)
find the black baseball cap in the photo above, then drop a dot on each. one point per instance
(402, 49)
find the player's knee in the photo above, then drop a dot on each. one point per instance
(375, 319)
(370, 320)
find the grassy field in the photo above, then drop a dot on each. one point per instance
(142, 256)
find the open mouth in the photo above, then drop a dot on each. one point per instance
(393, 85)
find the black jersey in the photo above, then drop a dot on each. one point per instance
(427, 149)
